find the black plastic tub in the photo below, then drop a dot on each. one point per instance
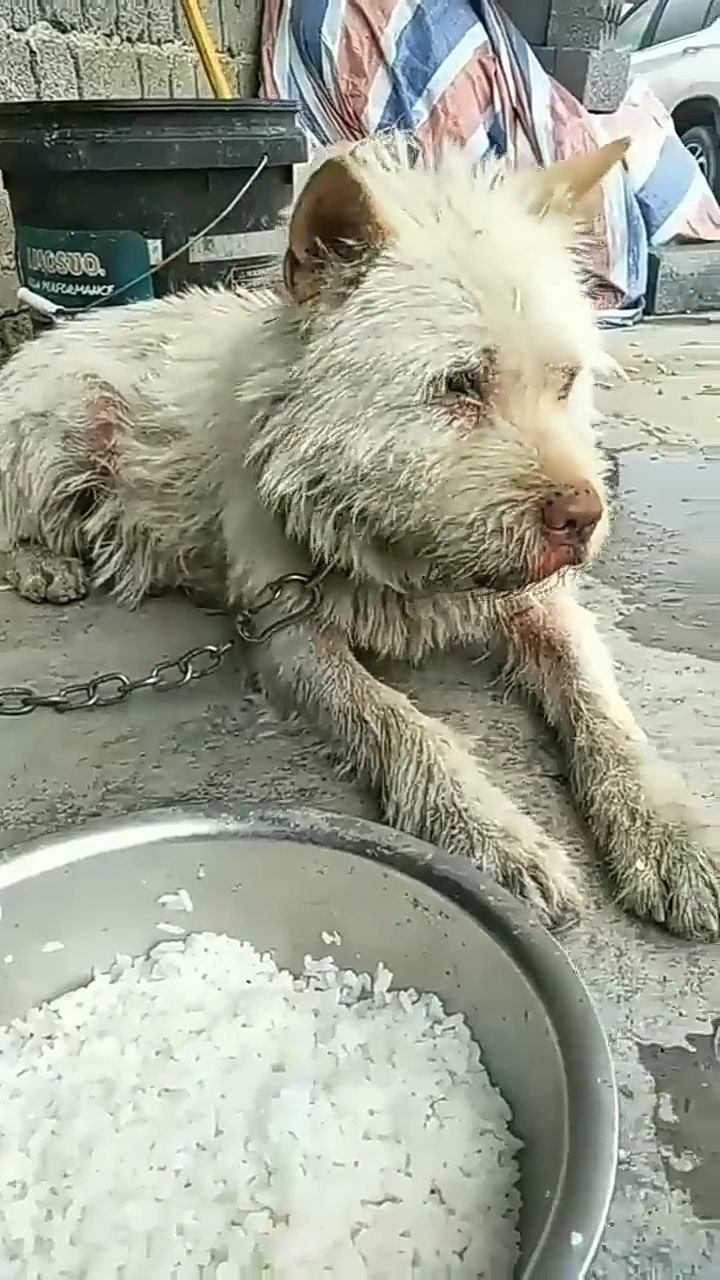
(101, 192)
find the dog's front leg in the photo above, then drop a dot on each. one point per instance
(424, 777)
(636, 807)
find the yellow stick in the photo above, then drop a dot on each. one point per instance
(205, 46)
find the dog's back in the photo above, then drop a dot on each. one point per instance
(138, 349)
(103, 442)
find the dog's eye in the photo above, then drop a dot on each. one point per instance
(462, 382)
(471, 384)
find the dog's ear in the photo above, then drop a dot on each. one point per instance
(569, 186)
(335, 217)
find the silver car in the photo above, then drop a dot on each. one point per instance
(675, 46)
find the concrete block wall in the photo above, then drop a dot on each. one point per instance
(570, 37)
(51, 49)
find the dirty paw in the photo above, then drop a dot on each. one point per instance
(523, 860)
(674, 880)
(42, 577)
(548, 889)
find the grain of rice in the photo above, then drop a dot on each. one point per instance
(200, 1113)
(178, 901)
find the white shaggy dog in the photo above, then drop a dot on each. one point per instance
(412, 425)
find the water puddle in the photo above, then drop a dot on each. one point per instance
(686, 1116)
(663, 553)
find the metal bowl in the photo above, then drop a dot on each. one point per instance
(280, 879)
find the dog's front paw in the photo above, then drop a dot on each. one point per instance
(41, 576)
(544, 881)
(666, 874)
(519, 856)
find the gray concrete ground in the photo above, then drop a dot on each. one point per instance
(656, 592)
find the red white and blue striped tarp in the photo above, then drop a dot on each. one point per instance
(458, 69)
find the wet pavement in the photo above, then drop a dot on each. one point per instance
(657, 595)
(670, 501)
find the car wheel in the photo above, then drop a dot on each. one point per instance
(702, 143)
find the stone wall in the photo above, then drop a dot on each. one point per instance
(109, 49)
(573, 40)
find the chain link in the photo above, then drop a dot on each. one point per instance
(114, 686)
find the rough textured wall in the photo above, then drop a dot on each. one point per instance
(109, 49)
(573, 40)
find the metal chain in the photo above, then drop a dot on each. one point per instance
(113, 687)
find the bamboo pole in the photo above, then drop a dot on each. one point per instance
(205, 46)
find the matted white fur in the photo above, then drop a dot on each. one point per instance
(190, 384)
(200, 1113)
(411, 420)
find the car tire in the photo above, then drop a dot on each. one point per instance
(701, 141)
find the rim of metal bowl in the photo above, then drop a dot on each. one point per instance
(582, 1204)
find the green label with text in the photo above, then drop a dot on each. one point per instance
(77, 268)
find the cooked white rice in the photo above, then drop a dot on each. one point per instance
(200, 1113)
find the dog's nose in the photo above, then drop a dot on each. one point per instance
(573, 512)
